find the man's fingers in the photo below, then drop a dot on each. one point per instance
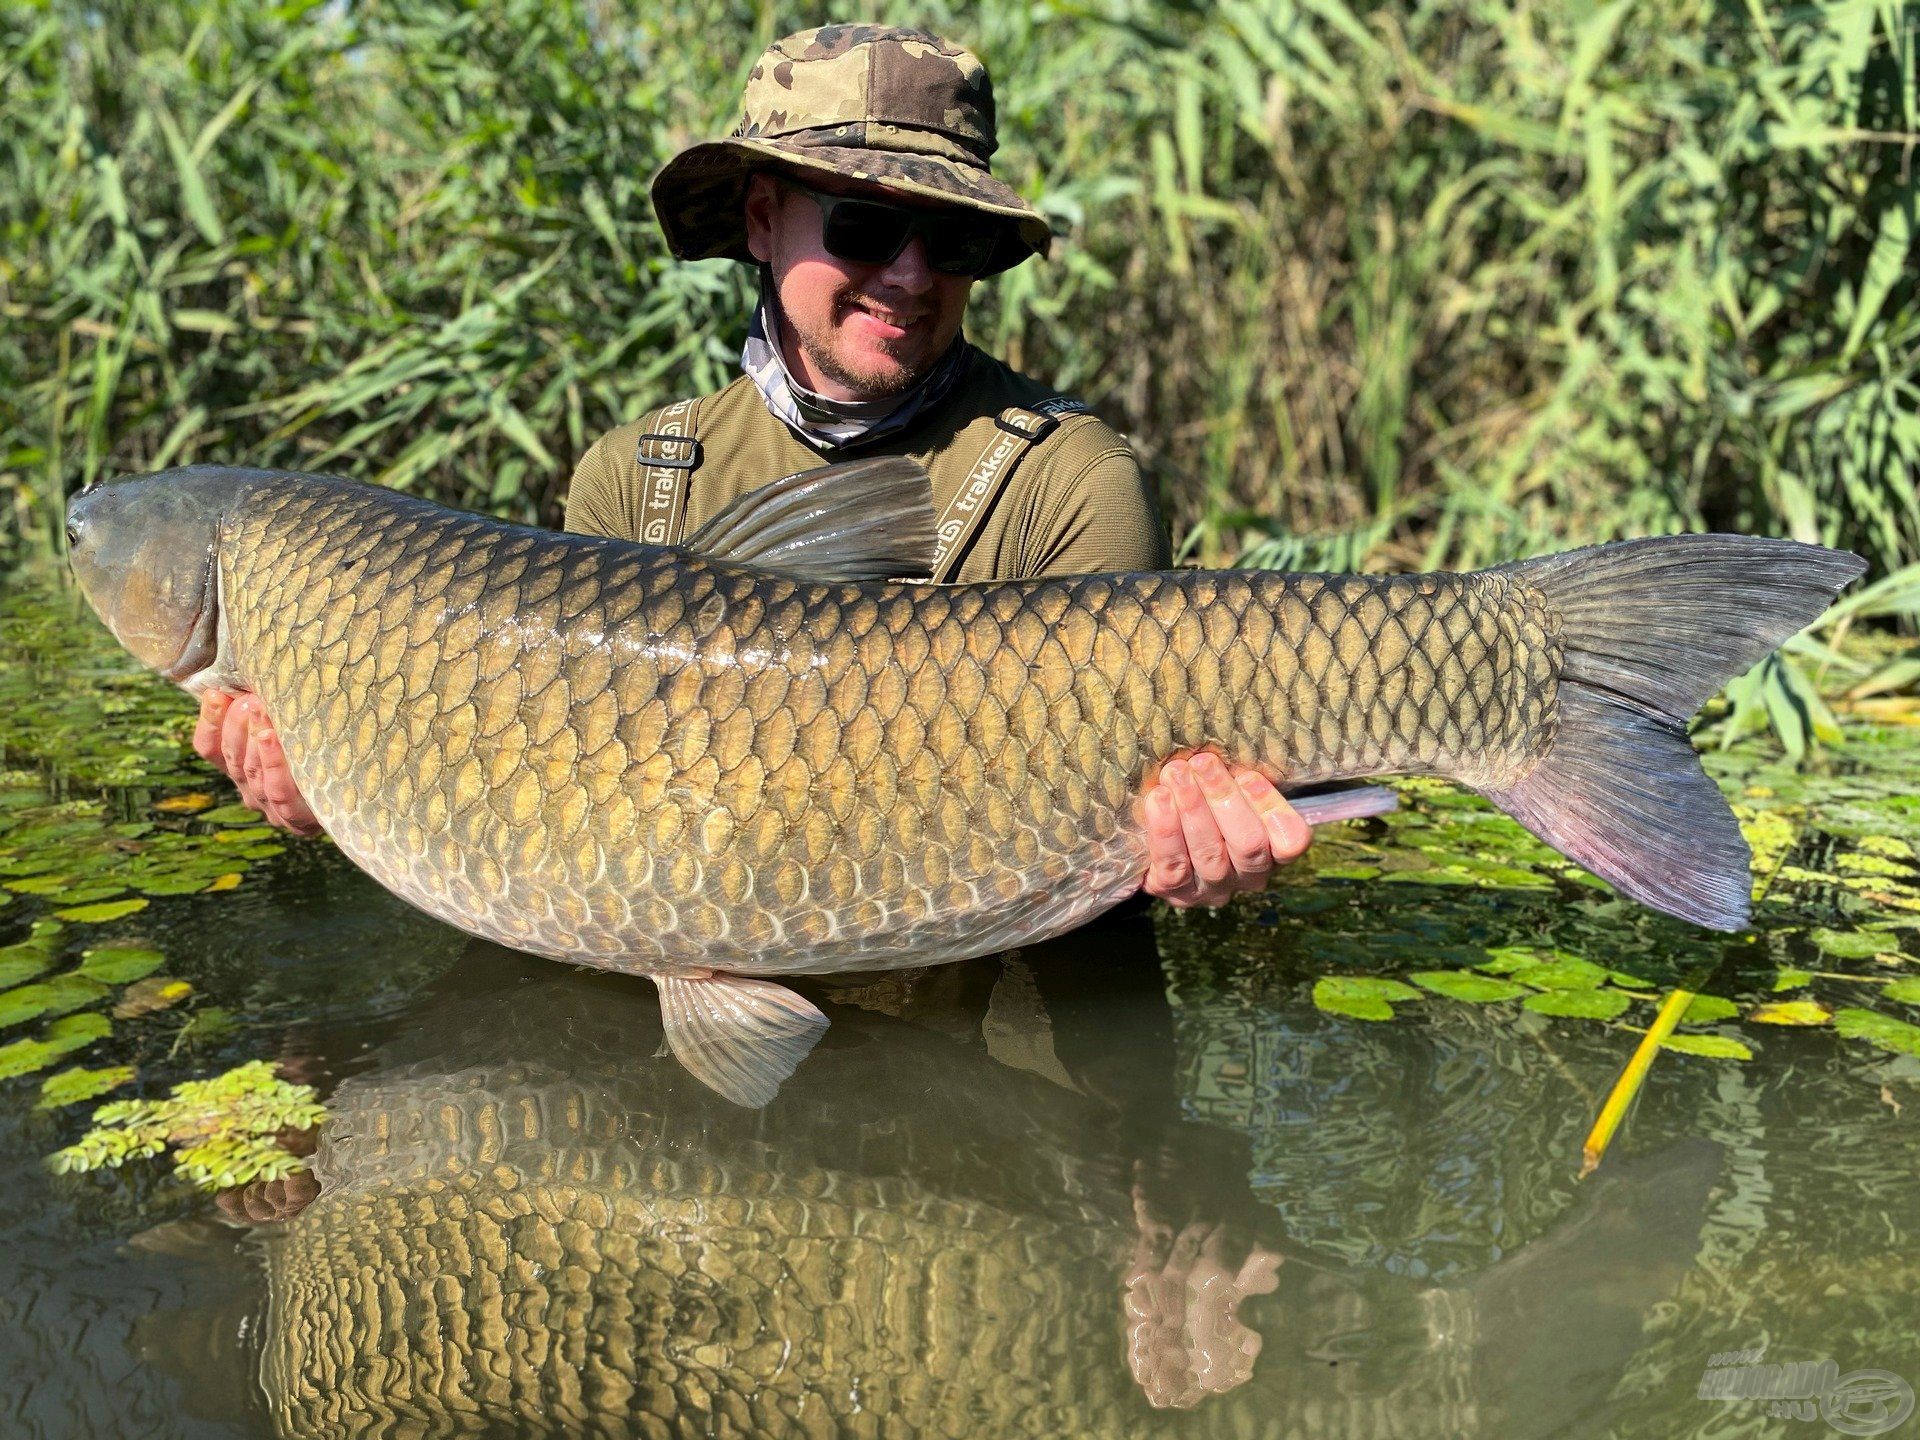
(1206, 848)
(206, 730)
(1169, 874)
(1187, 1247)
(233, 732)
(1242, 830)
(276, 776)
(1213, 830)
(235, 727)
(1287, 834)
(280, 795)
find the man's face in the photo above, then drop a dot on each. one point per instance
(851, 331)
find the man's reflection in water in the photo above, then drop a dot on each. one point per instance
(1102, 1017)
(1088, 1013)
(976, 1209)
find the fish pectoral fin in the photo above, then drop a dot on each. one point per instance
(864, 520)
(739, 1037)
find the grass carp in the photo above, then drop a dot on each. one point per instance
(753, 755)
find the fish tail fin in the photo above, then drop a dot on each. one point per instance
(1651, 629)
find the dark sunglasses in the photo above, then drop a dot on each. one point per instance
(870, 232)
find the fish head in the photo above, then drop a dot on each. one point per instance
(146, 552)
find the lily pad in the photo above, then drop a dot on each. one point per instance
(189, 804)
(1713, 1047)
(1579, 1004)
(99, 914)
(224, 882)
(1510, 959)
(57, 996)
(1465, 985)
(174, 884)
(120, 964)
(245, 835)
(23, 1057)
(40, 884)
(74, 1031)
(1348, 872)
(1571, 973)
(63, 1037)
(20, 963)
(1708, 1010)
(1360, 997)
(88, 894)
(1792, 979)
(1907, 992)
(156, 992)
(1877, 1029)
(70, 1087)
(231, 815)
(1791, 1012)
(1855, 944)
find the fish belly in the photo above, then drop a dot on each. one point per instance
(636, 758)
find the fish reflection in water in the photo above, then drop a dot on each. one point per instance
(977, 1211)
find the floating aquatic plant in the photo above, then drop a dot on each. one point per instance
(70, 1087)
(223, 1131)
(61, 1038)
(144, 997)
(1362, 997)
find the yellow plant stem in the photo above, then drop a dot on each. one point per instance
(1628, 1085)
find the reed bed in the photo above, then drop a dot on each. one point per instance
(1416, 284)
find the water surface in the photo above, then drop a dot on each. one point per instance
(1136, 1181)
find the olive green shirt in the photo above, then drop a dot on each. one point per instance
(1076, 503)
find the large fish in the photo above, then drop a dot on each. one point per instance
(752, 756)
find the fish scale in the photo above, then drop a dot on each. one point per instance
(654, 761)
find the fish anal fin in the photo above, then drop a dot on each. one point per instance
(739, 1037)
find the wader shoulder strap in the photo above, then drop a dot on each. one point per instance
(1016, 430)
(665, 458)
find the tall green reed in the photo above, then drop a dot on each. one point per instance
(1423, 283)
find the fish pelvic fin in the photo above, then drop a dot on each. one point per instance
(1651, 629)
(1333, 804)
(740, 1038)
(864, 520)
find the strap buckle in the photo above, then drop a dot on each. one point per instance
(1030, 425)
(662, 462)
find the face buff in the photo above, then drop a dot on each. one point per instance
(837, 424)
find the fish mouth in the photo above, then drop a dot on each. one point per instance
(202, 644)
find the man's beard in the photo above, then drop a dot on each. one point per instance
(866, 384)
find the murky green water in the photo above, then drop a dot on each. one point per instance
(1156, 1177)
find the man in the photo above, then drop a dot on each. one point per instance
(858, 182)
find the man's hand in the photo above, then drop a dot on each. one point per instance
(236, 736)
(1213, 832)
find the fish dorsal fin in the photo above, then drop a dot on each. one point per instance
(864, 520)
(739, 1037)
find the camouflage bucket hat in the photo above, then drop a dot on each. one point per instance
(902, 109)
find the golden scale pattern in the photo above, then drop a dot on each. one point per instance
(649, 760)
(510, 1250)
